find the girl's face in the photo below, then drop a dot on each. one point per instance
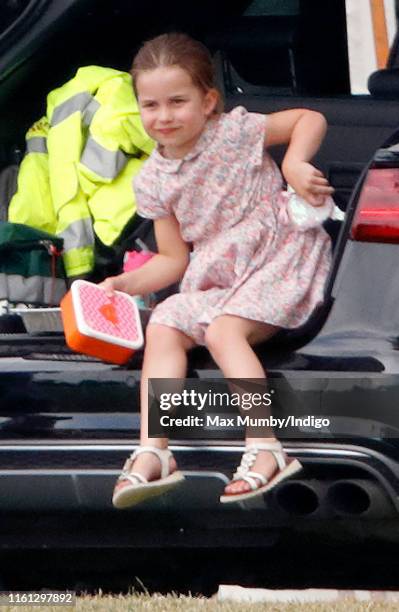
(173, 110)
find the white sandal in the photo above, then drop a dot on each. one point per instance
(259, 484)
(140, 488)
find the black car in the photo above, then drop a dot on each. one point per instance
(67, 422)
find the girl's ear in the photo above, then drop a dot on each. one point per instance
(210, 101)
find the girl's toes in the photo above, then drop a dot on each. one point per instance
(120, 485)
(240, 486)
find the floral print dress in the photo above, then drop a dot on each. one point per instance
(246, 260)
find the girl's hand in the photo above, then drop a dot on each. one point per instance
(307, 181)
(110, 285)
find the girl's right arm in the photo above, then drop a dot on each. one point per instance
(162, 270)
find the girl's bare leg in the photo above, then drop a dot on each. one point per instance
(165, 356)
(229, 339)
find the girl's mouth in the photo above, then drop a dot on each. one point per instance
(167, 131)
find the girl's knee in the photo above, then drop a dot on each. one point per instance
(165, 337)
(160, 334)
(218, 336)
(229, 331)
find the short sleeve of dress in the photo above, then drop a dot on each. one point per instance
(149, 204)
(245, 131)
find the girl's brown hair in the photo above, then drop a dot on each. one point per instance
(176, 49)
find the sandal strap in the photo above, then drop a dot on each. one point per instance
(275, 448)
(280, 459)
(259, 476)
(250, 479)
(133, 475)
(247, 461)
(163, 455)
(251, 451)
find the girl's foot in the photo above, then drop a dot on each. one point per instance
(147, 465)
(152, 475)
(263, 465)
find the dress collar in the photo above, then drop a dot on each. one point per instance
(173, 165)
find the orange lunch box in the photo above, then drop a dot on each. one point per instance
(100, 326)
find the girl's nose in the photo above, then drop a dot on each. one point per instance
(164, 114)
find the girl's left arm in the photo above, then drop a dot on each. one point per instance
(304, 131)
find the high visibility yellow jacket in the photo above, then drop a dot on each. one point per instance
(76, 178)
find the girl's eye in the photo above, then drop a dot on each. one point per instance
(178, 101)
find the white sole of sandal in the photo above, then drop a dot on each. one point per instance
(292, 468)
(130, 495)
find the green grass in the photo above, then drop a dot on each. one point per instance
(170, 603)
(177, 603)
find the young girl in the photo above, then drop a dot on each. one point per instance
(210, 183)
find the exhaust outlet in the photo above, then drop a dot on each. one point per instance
(298, 498)
(359, 497)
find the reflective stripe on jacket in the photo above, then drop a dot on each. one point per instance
(76, 178)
